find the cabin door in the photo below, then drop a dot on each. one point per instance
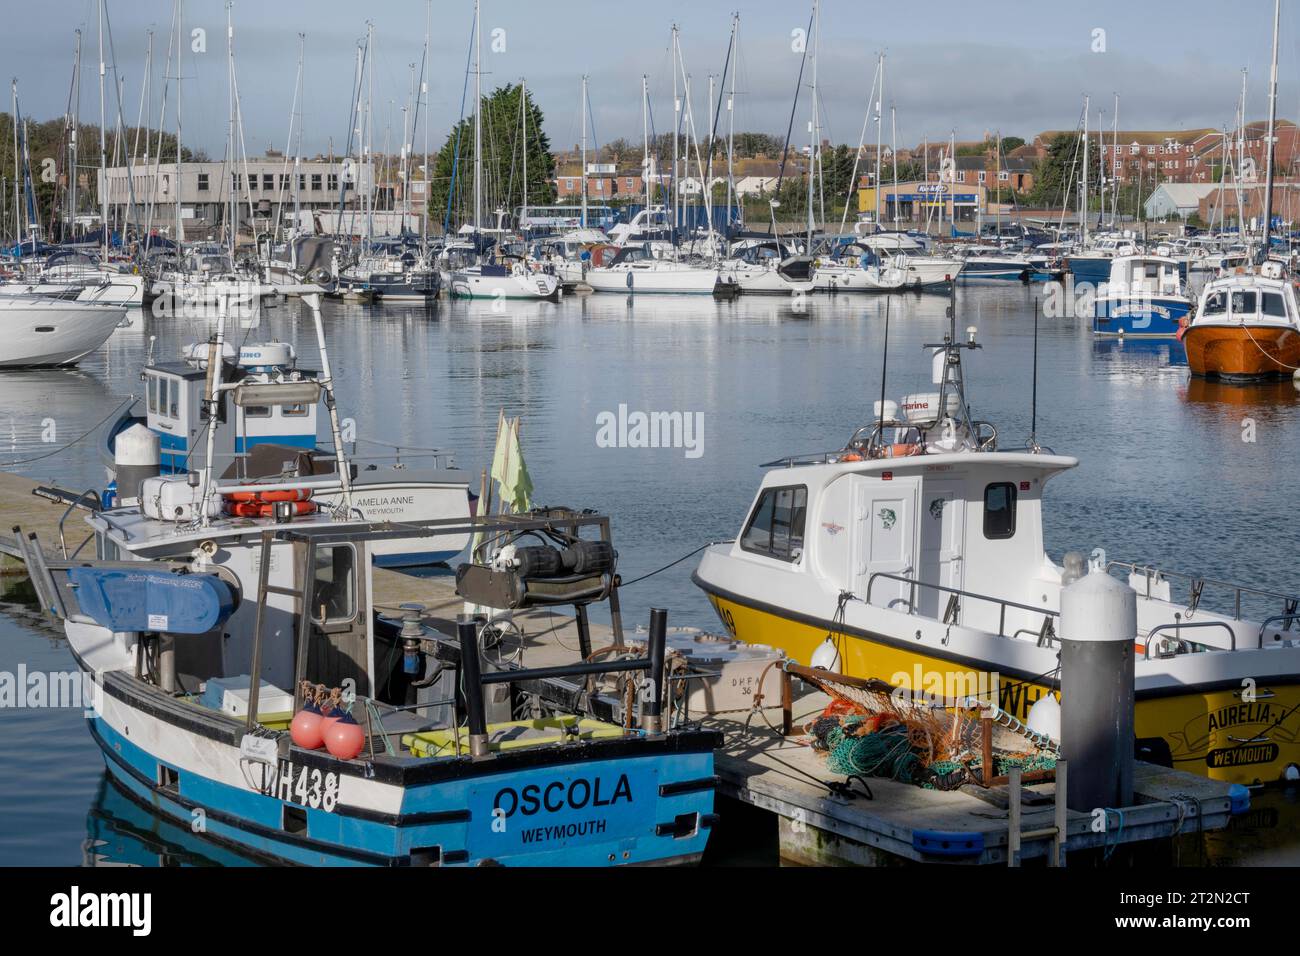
(943, 514)
(338, 647)
(884, 528)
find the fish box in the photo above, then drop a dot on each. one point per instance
(230, 696)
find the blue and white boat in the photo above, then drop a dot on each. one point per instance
(1145, 296)
(203, 629)
(269, 415)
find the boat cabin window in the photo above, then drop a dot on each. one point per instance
(293, 411)
(1273, 305)
(153, 394)
(776, 526)
(1000, 510)
(334, 593)
(257, 411)
(1216, 303)
(1243, 303)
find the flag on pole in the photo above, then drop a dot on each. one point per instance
(509, 470)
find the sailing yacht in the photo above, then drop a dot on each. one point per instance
(496, 278)
(915, 553)
(636, 270)
(855, 267)
(38, 331)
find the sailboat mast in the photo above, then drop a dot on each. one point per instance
(73, 122)
(677, 118)
(176, 205)
(1083, 193)
(731, 119)
(1272, 121)
(880, 99)
(478, 120)
(812, 123)
(645, 139)
(103, 156)
(584, 151)
(523, 99)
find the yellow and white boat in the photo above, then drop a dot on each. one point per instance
(915, 556)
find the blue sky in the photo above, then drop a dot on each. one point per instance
(1015, 67)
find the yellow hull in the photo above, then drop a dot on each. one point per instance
(1211, 731)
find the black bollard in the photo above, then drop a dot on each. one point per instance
(651, 713)
(470, 670)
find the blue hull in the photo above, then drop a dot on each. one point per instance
(1140, 317)
(1094, 269)
(575, 812)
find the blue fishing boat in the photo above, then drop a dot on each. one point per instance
(247, 685)
(1145, 296)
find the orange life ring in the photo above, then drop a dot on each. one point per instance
(253, 509)
(270, 497)
(851, 456)
(903, 450)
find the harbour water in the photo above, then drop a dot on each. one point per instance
(1183, 475)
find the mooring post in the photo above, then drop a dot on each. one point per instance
(471, 671)
(1098, 628)
(652, 710)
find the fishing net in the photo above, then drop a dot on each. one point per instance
(874, 731)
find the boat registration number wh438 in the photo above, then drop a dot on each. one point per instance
(306, 786)
(562, 807)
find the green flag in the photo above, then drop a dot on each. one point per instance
(509, 470)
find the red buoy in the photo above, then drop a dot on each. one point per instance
(305, 731)
(344, 738)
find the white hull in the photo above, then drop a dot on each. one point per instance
(111, 289)
(832, 278)
(756, 280)
(402, 501)
(653, 278)
(927, 271)
(469, 284)
(37, 332)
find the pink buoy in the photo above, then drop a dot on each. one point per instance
(305, 730)
(344, 738)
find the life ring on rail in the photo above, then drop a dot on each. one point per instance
(253, 509)
(270, 497)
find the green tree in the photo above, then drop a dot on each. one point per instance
(503, 161)
(1061, 168)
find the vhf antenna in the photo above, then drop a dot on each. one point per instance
(1033, 402)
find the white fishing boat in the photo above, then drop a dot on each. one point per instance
(914, 555)
(38, 331)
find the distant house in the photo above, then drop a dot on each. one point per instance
(1180, 200)
(756, 185)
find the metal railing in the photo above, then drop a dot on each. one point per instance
(1197, 585)
(1179, 626)
(1002, 603)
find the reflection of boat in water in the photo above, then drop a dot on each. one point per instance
(1140, 352)
(1263, 394)
(122, 832)
(29, 398)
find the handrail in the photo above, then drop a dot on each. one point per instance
(76, 502)
(1289, 618)
(1178, 626)
(1198, 582)
(1001, 602)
